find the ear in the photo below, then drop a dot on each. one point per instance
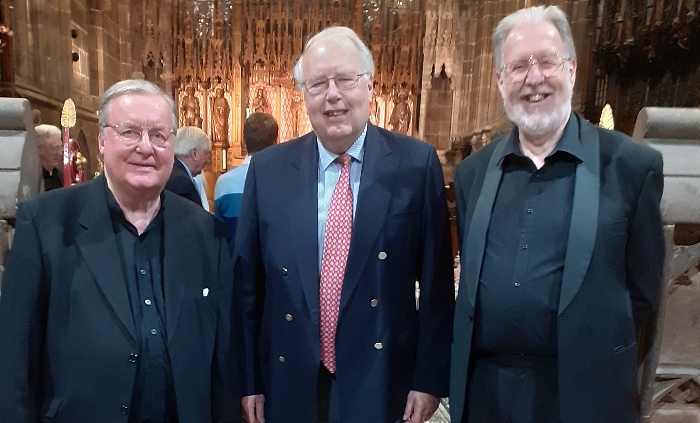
(101, 141)
(572, 71)
(500, 81)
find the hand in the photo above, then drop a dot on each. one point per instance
(254, 408)
(419, 407)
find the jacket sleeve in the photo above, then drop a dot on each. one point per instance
(645, 255)
(249, 287)
(436, 303)
(23, 314)
(225, 389)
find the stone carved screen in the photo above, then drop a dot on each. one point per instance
(249, 47)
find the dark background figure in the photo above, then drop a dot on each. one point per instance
(50, 155)
(117, 295)
(335, 229)
(192, 149)
(562, 248)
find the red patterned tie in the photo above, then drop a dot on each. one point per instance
(336, 245)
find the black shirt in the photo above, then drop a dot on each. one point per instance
(153, 400)
(52, 179)
(523, 263)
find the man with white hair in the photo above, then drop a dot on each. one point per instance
(50, 155)
(562, 248)
(192, 148)
(334, 231)
(116, 299)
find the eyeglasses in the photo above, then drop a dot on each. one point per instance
(549, 66)
(131, 134)
(345, 81)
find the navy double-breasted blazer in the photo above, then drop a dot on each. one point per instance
(612, 271)
(68, 343)
(385, 347)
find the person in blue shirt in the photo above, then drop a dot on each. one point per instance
(260, 131)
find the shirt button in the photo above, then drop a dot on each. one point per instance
(281, 359)
(288, 317)
(374, 302)
(525, 247)
(132, 357)
(148, 302)
(284, 271)
(154, 332)
(529, 211)
(378, 346)
(125, 410)
(143, 272)
(517, 284)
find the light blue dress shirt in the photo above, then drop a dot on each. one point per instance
(328, 175)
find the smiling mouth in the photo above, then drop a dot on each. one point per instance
(334, 113)
(535, 98)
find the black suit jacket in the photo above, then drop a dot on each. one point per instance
(612, 271)
(181, 184)
(67, 336)
(400, 235)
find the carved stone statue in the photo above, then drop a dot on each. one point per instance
(259, 103)
(374, 109)
(189, 108)
(296, 111)
(400, 119)
(220, 112)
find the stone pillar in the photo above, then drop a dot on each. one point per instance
(20, 172)
(671, 371)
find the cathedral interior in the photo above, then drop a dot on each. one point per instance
(434, 80)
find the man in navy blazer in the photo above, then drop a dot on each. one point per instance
(116, 301)
(391, 359)
(562, 248)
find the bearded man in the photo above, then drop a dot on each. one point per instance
(562, 248)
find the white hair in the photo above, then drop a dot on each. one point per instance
(132, 86)
(44, 132)
(535, 14)
(188, 138)
(343, 37)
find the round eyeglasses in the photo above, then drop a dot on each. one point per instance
(344, 82)
(131, 134)
(549, 65)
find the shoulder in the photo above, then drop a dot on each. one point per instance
(185, 212)
(231, 181)
(478, 160)
(285, 151)
(400, 142)
(621, 150)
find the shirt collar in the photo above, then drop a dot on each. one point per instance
(246, 160)
(187, 169)
(569, 142)
(356, 151)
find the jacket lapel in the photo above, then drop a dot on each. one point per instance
(379, 172)
(303, 221)
(177, 256)
(98, 245)
(584, 215)
(475, 243)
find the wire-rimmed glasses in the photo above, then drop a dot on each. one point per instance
(549, 65)
(131, 134)
(344, 81)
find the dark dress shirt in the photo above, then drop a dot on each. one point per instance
(52, 179)
(153, 400)
(523, 263)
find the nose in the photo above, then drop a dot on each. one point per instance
(534, 75)
(332, 93)
(144, 143)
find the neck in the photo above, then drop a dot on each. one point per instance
(538, 147)
(139, 209)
